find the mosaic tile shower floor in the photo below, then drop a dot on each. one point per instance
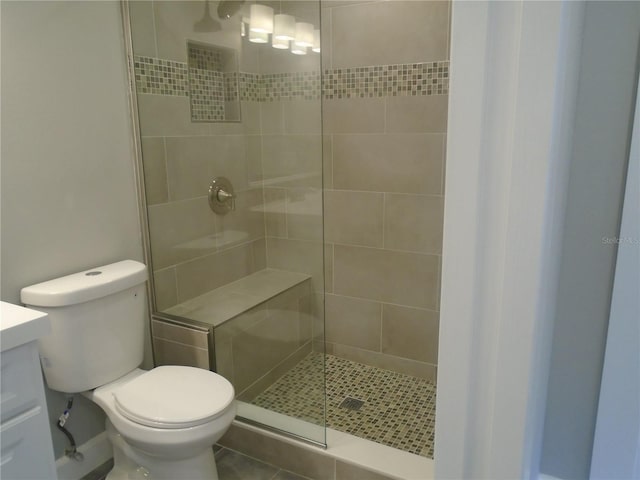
(398, 410)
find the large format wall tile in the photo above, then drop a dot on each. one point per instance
(388, 33)
(302, 116)
(353, 115)
(413, 222)
(394, 363)
(403, 163)
(142, 28)
(174, 226)
(387, 276)
(245, 222)
(353, 218)
(285, 157)
(208, 273)
(353, 321)
(304, 213)
(410, 332)
(417, 114)
(155, 170)
(264, 345)
(175, 23)
(297, 256)
(166, 115)
(271, 117)
(193, 162)
(165, 286)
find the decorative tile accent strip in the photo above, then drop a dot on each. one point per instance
(231, 86)
(430, 78)
(161, 77)
(250, 87)
(165, 77)
(298, 85)
(398, 410)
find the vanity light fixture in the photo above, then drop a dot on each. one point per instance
(316, 41)
(261, 19)
(257, 37)
(279, 44)
(284, 27)
(304, 35)
(243, 26)
(297, 49)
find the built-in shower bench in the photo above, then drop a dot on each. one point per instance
(262, 326)
(227, 302)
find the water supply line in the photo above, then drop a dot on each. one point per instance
(72, 450)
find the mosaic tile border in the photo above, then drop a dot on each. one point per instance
(161, 77)
(165, 77)
(431, 78)
(398, 410)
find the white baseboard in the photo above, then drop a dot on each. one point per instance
(96, 451)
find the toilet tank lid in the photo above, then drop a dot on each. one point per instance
(86, 285)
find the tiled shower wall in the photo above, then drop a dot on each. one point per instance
(384, 102)
(194, 250)
(384, 177)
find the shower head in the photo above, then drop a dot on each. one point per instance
(206, 23)
(227, 8)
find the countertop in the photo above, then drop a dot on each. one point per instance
(19, 325)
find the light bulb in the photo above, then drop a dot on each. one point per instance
(257, 37)
(280, 44)
(304, 34)
(261, 19)
(284, 27)
(297, 49)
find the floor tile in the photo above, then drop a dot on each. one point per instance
(398, 410)
(234, 466)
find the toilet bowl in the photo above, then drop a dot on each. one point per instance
(163, 422)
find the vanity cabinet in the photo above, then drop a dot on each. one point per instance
(27, 451)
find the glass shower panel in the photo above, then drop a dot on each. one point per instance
(232, 155)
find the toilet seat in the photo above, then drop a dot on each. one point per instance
(174, 397)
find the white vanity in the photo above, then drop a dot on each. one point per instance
(27, 452)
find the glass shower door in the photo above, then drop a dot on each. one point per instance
(230, 133)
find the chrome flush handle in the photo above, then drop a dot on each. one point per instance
(221, 196)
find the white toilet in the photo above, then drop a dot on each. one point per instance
(162, 423)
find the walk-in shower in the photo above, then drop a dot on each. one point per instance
(293, 187)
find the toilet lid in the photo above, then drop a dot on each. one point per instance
(174, 397)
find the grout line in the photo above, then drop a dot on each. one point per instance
(384, 118)
(381, 323)
(166, 169)
(384, 217)
(155, 33)
(443, 163)
(383, 302)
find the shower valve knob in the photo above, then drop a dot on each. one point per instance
(221, 196)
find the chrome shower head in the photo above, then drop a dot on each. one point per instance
(227, 8)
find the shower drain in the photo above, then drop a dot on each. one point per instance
(351, 404)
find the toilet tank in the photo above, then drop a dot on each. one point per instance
(97, 322)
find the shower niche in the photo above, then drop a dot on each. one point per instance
(213, 83)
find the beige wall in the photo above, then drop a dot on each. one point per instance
(384, 174)
(68, 190)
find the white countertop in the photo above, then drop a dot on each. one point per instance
(19, 325)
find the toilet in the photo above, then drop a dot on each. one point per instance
(162, 423)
